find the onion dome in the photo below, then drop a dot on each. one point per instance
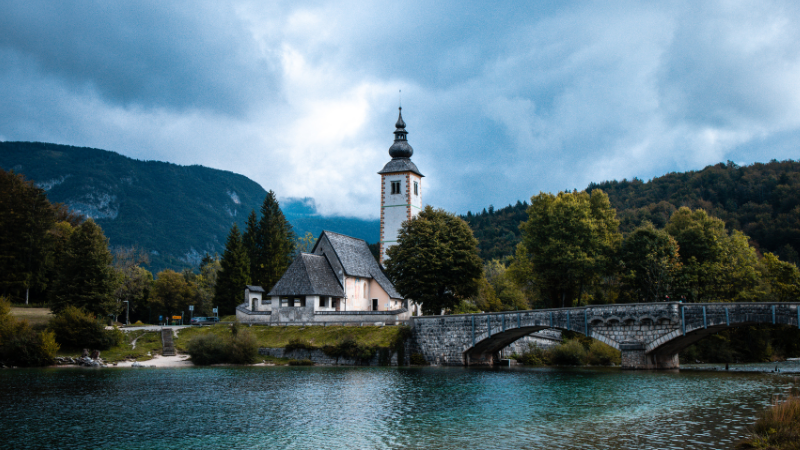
(400, 148)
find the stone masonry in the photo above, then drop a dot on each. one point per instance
(649, 335)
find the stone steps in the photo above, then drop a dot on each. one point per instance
(167, 345)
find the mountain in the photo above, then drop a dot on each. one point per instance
(176, 213)
(762, 200)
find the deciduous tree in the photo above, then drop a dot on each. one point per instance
(651, 263)
(435, 261)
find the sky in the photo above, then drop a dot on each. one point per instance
(502, 100)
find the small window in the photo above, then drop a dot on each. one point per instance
(416, 188)
(266, 301)
(374, 304)
(322, 302)
(395, 187)
(285, 301)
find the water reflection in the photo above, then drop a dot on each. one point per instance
(379, 408)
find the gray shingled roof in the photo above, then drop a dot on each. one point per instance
(308, 275)
(255, 288)
(358, 261)
(400, 165)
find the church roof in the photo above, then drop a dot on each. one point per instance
(255, 288)
(398, 165)
(309, 275)
(357, 260)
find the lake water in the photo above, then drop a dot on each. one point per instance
(379, 408)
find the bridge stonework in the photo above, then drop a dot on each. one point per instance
(649, 335)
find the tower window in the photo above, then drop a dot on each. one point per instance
(395, 187)
(416, 188)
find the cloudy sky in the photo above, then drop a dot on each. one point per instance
(502, 99)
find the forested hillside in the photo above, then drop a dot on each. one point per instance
(762, 200)
(175, 213)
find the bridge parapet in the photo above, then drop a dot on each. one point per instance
(648, 334)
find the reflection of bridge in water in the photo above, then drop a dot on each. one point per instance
(649, 335)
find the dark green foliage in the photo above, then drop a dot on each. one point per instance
(206, 349)
(497, 231)
(76, 329)
(570, 353)
(300, 362)
(273, 245)
(601, 354)
(172, 294)
(416, 359)
(534, 356)
(435, 261)
(85, 278)
(650, 263)
(569, 242)
(239, 347)
(297, 344)
(350, 348)
(20, 344)
(26, 218)
(233, 275)
(746, 344)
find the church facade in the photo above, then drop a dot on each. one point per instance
(340, 280)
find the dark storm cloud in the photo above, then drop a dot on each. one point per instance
(168, 54)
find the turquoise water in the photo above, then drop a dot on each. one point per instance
(378, 408)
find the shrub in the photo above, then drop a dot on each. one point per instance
(138, 323)
(297, 344)
(206, 349)
(240, 347)
(74, 328)
(601, 354)
(20, 344)
(351, 349)
(243, 348)
(778, 427)
(417, 359)
(301, 362)
(534, 356)
(570, 353)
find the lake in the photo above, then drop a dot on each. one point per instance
(379, 408)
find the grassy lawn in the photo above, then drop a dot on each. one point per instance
(34, 316)
(148, 342)
(315, 336)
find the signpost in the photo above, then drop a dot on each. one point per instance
(215, 311)
(191, 313)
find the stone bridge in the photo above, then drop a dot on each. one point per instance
(649, 335)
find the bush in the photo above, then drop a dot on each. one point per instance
(417, 359)
(297, 344)
(206, 349)
(534, 356)
(601, 354)
(243, 347)
(20, 344)
(570, 353)
(301, 362)
(778, 427)
(240, 347)
(351, 349)
(74, 328)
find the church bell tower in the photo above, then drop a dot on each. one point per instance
(401, 188)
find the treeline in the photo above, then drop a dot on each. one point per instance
(761, 200)
(49, 256)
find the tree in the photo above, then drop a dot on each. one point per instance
(26, 217)
(233, 274)
(435, 261)
(86, 279)
(249, 242)
(781, 279)
(172, 294)
(134, 280)
(570, 241)
(274, 244)
(651, 262)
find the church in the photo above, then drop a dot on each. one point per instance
(340, 280)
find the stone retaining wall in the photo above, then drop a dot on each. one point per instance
(320, 358)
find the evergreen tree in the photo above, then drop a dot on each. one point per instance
(249, 242)
(435, 261)
(274, 244)
(233, 275)
(86, 278)
(26, 217)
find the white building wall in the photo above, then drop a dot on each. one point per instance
(397, 208)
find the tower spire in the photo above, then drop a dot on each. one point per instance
(400, 148)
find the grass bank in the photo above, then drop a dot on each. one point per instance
(778, 428)
(148, 343)
(37, 317)
(312, 336)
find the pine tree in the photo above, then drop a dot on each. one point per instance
(86, 278)
(274, 244)
(249, 241)
(232, 278)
